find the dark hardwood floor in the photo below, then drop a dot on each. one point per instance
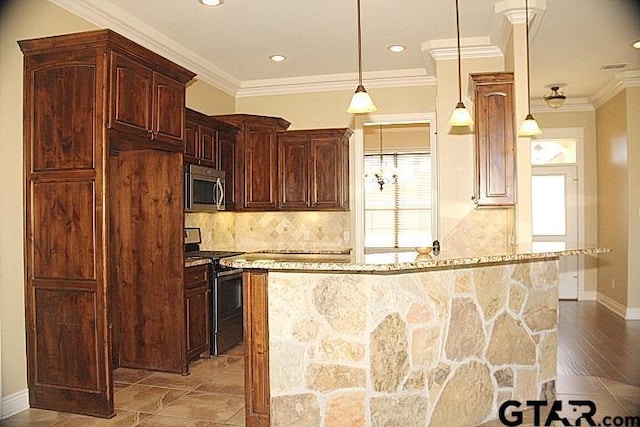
(593, 341)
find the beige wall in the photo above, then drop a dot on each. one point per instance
(613, 198)
(328, 109)
(207, 99)
(633, 134)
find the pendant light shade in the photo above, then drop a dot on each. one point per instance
(361, 102)
(460, 115)
(529, 126)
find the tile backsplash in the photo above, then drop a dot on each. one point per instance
(254, 231)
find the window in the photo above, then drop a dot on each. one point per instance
(399, 216)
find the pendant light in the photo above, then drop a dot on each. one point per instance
(529, 126)
(460, 115)
(361, 101)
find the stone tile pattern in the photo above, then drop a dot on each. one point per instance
(257, 231)
(430, 348)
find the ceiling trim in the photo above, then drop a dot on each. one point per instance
(333, 82)
(571, 105)
(447, 49)
(618, 83)
(105, 15)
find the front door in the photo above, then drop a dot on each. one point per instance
(554, 192)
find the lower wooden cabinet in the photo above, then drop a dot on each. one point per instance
(196, 303)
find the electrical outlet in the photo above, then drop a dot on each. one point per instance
(613, 283)
(346, 236)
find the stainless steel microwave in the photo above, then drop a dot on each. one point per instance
(203, 189)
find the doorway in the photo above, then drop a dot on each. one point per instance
(357, 172)
(557, 206)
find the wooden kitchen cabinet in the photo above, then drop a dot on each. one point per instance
(313, 169)
(256, 171)
(495, 141)
(145, 102)
(197, 315)
(227, 150)
(103, 219)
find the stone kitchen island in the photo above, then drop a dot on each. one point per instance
(405, 339)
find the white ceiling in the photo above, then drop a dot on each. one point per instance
(230, 45)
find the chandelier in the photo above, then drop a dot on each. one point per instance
(384, 175)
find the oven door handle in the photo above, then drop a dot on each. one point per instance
(225, 273)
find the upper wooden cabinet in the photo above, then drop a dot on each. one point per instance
(103, 216)
(495, 141)
(202, 139)
(144, 101)
(256, 159)
(313, 169)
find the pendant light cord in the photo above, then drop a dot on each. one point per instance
(360, 48)
(526, 11)
(459, 55)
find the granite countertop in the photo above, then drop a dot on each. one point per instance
(396, 261)
(192, 261)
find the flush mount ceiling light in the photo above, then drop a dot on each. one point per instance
(361, 102)
(211, 2)
(636, 44)
(460, 115)
(556, 98)
(396, 48)
(529, 126)
(278, 58)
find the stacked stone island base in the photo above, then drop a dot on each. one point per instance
(432, 348)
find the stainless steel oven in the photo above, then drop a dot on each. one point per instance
(225, 304)
(203, 188)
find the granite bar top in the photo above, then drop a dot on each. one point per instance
(328, 261)
(193, 261)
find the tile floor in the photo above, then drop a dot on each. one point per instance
(211, 396)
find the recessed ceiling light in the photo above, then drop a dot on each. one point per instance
(211, 2)
(396, 48)
(636, 44)
(277, 58)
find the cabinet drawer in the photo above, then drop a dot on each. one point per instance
(196, 276)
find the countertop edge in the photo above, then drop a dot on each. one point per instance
(428, 263)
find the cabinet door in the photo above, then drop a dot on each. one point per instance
(168, 110)
(130, 97)
(196, 294)
(191, 142)
(260, 162)
(328, 173)
(293, 172)
(227, 146)
(495, 145)
(208, 147)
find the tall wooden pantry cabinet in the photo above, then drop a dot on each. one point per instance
(103, 142)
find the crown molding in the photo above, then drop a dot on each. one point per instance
(104, 14)
(447, 49)
(618, 83)
(514, 13)
(333, 82)
(571, 105)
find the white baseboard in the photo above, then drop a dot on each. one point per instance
(587, 295)
(633, 314)
(619, 309)
(14, 403)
